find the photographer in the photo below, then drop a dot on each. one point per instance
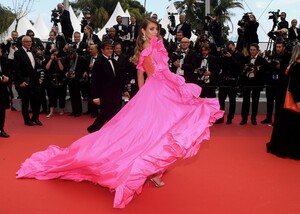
(121, 30)
(89, 37)
(232, 66)
(184, 61)
(55, 41)
(65, 21)
(75, 67)
(276, 80)
(87, 20)
(251, 26)
(183, 26)
(283, 23)
(55, 84)
(253, 81)
(213, 27)
(207, 72)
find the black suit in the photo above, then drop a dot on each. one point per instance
(66, 25)
(209, 87)
(107, 86)
(292, 34)
(185, 28)
(189, 65)
(253, 85)
(121, 30)
(94, 38)
(24, 72)
(133, 31)
(4, 101)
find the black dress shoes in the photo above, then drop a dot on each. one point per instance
(37, 122)
(3, 134)
(71, 114)
(254, 122)
(266, 121)
(29, 123)
(243, 122)
(229, 121)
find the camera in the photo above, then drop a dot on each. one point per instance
(41, 73)
(176, 55)
(55, 16)
(40, 57)
(274, 15)
(226, 50)
(245, 19)
(172, 19)
(83, 22)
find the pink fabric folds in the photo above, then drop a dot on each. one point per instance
(165, 121)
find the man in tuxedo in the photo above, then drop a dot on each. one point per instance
(107, 86)
(133, 29)
(184, 61)
(27, 79)
(54, 41)
(294, 32)
(121, 30)
(253, 81)
(183, 26)
(65, 21)
(208, 69)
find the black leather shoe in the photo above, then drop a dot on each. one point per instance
(29, 123)
(254, 122)
(243, 122)
(13, 108)
(229, 121)
(266, 121)
(3, 134)
(71, 114)
(77, 115)
(37, 122)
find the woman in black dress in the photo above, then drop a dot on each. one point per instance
(285, 140)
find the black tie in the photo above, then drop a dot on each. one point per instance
(28, 50)
(109, 58)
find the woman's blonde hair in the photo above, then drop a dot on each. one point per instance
(139, 41)
(295, 54)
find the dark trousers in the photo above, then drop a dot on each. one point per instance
(75, 96)
(255, 94)
(272, 94)
(208, 91)
(231, 93)
(57, 92)
(108, 111)
(2, 116)
(32, 95)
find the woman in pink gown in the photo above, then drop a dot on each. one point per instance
(165, 121)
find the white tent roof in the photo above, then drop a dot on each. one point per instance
(127, 14)
(42, 28)
(23, 25)
(74, 20)
(112, 20)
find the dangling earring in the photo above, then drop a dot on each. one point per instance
(144, 37)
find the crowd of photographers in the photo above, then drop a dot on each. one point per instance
(65, 61)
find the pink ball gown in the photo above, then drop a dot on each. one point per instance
(165, 121)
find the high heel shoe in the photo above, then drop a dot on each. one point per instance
(157, 182)
(49, 115)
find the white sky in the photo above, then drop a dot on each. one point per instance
(260, 9)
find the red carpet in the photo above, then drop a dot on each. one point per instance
(231, 174)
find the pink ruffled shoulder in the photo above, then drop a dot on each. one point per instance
(155, 44)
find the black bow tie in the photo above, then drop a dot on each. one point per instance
(253, 57)
(28, 50)
(109, 58)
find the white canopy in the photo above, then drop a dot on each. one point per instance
(42, 28)
(74, 20)
(23, 25)
(112, 20)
